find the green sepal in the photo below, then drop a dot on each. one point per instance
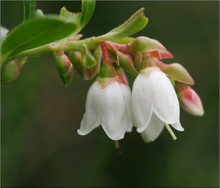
(87, 58)
(107, 71)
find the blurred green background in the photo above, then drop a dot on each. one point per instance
(40, 117)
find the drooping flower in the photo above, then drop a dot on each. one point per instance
(154, 104)
(108, 104)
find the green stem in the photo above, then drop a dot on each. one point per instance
(64, 45)
(29, 9)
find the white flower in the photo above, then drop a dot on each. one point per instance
(154, 103)
(110, 107)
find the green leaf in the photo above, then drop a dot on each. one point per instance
(35, 33)
(82, 18)
(88, 7)
(134, 24)
(29, 9)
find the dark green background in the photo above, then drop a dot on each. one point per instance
(40, 117)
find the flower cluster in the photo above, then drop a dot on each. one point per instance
(157, 93)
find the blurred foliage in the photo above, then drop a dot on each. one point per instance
(40, 146)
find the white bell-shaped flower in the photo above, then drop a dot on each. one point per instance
(154, 103)
(108, 105)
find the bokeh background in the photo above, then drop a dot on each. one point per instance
(39, 116)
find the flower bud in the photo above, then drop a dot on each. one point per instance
(76, 59)
(86, 73)
(189, 100)
(176, 71)
(145, 44)
(11, 70)
(64, 67)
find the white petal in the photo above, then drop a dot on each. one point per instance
(178, 126)
(127, 98)
(153, 130)
(114, 115)
(88, 123)
(141, 101)
(164, 99)
(91, 118)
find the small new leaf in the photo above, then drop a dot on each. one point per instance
(134, 24)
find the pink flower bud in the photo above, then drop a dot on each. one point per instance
(11, 70)
(64, 67)
(189, 100)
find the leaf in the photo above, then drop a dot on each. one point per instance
(134, 24)
(88, 7)
(35, 33)
(29, 9)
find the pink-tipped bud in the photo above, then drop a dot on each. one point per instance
(145, 44)
(176, 71)
(189, 100)
(11, 70)
(64, 67)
